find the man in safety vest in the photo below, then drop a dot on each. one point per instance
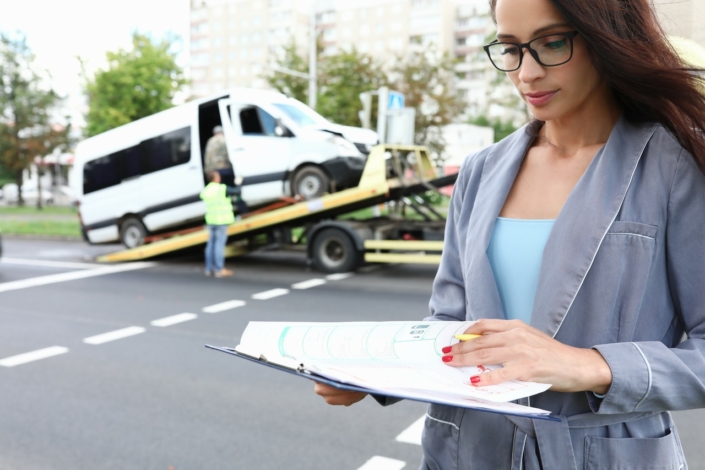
(219, 214)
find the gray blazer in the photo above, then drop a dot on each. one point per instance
(623, 272)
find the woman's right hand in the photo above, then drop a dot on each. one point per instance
(336, 396)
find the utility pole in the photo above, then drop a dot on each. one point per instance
(312, 58)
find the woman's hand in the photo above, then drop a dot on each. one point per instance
(336, 396)
(530, 355)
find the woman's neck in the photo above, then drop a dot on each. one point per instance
(590, 124)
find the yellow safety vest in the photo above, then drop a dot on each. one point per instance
(219, 207)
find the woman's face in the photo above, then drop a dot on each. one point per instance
(549, 92)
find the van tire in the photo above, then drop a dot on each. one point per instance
(310, 182)
(334, 252)
(132, 232)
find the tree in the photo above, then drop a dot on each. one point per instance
(26, 111)
(426, 80)
(137, 83)
(295, 87)
(343, 76)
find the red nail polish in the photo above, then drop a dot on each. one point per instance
(474, 379)
(447, 358)
(447, 349)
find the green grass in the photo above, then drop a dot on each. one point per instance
(54, 228)
(32, 210)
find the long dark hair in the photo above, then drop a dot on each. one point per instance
(650, 81)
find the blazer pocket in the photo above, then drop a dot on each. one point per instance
(621, 227)
(441, 436)
(662, 453)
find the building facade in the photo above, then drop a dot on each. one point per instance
(234, 42)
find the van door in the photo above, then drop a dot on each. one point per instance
(171, 180)
(260, 156)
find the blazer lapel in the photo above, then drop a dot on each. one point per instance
(583, 223)
(498, 174)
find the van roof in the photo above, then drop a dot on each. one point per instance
(122, 136)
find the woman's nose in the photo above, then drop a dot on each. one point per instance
(530, 69)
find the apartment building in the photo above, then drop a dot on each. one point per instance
(232, 41)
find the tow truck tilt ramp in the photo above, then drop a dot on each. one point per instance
(392, 173)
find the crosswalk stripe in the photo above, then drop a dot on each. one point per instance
(383, 463)
(33, 356)
(412, 434)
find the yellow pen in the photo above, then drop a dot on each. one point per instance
(466, 337)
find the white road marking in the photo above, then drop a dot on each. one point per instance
(72, 276)
(113, 335)
(270, 294)
(223, 306)
(383, 463)
(33, 356)
(50, 264)
(339, 276)
(308, 284)
(412, 434)
(174, 319)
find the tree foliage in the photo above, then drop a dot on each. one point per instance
(137, 83)
(27, 109)
(291, 59)
(343, 76)
(502, 128)
(426, 79)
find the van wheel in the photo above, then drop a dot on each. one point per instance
(335, 252)
(132, 232)
(310, 182)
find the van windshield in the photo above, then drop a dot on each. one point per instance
(302, 116)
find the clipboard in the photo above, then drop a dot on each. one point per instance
(301, 372)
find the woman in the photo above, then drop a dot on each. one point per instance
(579, 243)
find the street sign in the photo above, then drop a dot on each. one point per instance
(396, 100)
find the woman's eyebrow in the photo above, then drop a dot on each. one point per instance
(537, 32)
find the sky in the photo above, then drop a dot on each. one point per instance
(60, 30)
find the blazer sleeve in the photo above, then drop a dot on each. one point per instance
(448, 297)
(650, 376)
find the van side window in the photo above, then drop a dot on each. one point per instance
(256, 121)
(130, 162)
(165, 151)
(101, 173)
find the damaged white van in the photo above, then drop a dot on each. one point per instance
(145, 177)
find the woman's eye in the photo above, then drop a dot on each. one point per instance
(511, 50)
(555, 45)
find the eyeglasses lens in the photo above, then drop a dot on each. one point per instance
(552, 50)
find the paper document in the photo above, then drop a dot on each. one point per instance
(396, 358)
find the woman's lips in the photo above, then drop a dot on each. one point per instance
(540, 97)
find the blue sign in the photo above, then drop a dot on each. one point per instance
(396, 100)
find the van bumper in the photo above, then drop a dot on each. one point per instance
(345, 171)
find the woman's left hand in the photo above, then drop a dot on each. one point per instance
(529, 355)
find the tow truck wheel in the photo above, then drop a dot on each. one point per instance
(132, 232)
(335, 252)
(310, 182)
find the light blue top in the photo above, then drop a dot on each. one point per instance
(515, 253)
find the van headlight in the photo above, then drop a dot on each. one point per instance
(344, 144)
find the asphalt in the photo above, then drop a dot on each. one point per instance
(161, 400)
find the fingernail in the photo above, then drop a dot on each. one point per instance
(475, 379)
(447, 358)
(447, 349)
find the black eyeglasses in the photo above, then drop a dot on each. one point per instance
(549, 51)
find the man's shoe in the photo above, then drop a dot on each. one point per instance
(208, 273)
(224, 273)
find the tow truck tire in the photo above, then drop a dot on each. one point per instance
(132, 232)
(310, 182)
(334, 252)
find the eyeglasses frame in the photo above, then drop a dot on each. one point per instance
(527, 45)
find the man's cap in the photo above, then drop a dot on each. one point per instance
(218, 130)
